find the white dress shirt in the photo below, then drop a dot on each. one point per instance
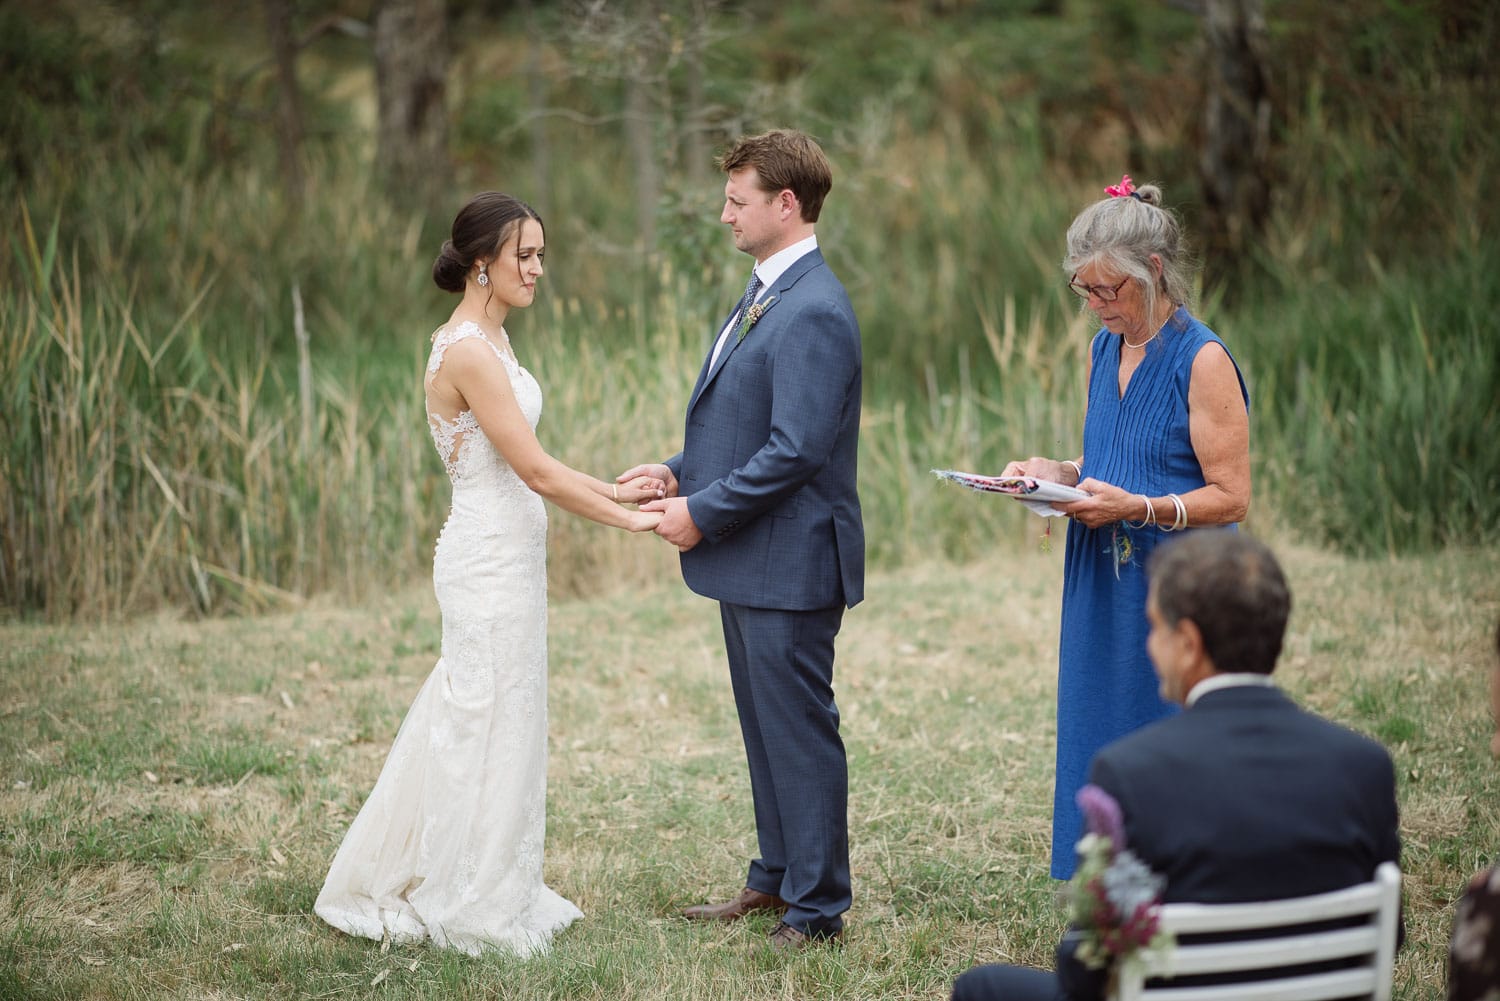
(769, 270)
(1219, 681)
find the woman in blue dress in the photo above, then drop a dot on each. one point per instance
(1166, 448)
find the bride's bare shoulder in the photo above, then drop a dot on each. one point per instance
(455, 343)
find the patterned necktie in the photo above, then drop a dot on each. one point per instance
(752, 289)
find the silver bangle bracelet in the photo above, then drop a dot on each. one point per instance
(1150, 518)
(1179, 518)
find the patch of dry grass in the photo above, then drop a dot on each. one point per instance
(171, 792)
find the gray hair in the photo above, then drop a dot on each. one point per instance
(1121, 233)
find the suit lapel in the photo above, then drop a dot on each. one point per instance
(789, 277)
(766, 301)
(705, 371)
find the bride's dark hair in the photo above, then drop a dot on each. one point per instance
(479, 229)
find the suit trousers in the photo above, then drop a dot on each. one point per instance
(781, 669)
(1008, 983)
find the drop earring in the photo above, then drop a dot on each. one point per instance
(483, 279)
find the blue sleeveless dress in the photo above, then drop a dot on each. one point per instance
(1106, 686)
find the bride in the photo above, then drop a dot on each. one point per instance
(448, 846)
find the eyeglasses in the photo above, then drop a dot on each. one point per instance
(1104, 292)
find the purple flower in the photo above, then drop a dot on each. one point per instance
(1101, 815)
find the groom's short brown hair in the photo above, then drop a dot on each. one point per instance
(784, 158)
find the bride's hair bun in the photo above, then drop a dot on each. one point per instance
(481, 226)
(450, 269)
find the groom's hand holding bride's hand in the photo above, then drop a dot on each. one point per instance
(650, 482)
(677, 525)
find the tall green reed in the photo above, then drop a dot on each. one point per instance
(140, 475)
(160, 458)
(1369, 323)
(165, 456)
(1379, 406)
(161, 452)
(180, 465)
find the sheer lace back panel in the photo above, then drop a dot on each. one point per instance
(452, 432)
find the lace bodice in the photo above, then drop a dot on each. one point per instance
(467, 454)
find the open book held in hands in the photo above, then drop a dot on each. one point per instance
(1034, 493)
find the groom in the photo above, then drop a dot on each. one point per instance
(761, 504)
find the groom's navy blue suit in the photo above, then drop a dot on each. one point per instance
(768, 469)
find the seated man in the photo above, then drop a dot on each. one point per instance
(1244, 796)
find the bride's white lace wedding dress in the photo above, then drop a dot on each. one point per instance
(448, 847)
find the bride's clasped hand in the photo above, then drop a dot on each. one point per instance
(640, 489)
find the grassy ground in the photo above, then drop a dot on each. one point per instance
(170, 793)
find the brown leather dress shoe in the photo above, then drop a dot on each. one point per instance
(787, 939)
(748, 902)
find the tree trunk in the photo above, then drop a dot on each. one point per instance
(641, 140)
(1233, 164)
(696, 155)
(540, 195)
(289, 129)
(411, 151)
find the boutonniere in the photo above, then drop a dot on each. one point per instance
(753, 315)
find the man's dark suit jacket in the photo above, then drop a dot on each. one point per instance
(769, 457)
(1247, 797)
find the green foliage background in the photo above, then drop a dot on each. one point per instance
(157, 451)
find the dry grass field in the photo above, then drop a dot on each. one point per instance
(171, 791)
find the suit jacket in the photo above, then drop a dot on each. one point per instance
(1247, 797)
(769, 453)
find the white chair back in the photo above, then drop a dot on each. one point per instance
(1372, 944)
